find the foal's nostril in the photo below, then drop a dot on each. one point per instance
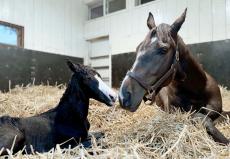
(112, 98)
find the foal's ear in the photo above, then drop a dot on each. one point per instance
(71, 66)
(150, 21)
(175, 27)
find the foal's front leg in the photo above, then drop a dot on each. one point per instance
(97, 135)
(211, 129)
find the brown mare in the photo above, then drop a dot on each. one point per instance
(165, 70)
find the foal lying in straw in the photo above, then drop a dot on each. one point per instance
(68, 120)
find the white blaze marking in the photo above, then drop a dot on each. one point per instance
(104, 88)
(153, 39)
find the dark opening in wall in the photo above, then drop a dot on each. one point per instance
(96, 11)
(121, 63)
(115, 5)
(139, 2)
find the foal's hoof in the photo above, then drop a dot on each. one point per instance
(96, 135)
(88, 143)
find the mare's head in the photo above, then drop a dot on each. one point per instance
(155, 56)
(89, 82)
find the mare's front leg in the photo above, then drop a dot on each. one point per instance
(8, 136)
(211, 129)
(215, 112)
(162, 100)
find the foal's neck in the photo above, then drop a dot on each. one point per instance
(73, 104)
(195, 75)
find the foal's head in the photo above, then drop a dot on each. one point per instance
(155, 56)
(91, 84)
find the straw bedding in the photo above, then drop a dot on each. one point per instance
(147, 133)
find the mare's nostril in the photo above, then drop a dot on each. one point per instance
(125, 97)
(128, 95)
(126, 101)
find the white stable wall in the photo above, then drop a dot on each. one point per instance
(207, 20)
(54, 26)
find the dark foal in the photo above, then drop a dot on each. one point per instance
(68, 120)
(165, 70)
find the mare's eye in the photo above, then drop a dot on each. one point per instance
(163, 47)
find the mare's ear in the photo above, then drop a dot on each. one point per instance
(150, 21)
(175, 27)
(71, 66)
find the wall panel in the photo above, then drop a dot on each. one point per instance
(22, 66)
(228, 18)
(207, 20)
(50, 25)
(219, 19)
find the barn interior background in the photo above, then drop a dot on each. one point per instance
(37, 36)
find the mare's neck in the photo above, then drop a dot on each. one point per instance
(195, 76)
(74, 104)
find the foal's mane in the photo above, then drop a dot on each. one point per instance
(80, 71)
(86, 71)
